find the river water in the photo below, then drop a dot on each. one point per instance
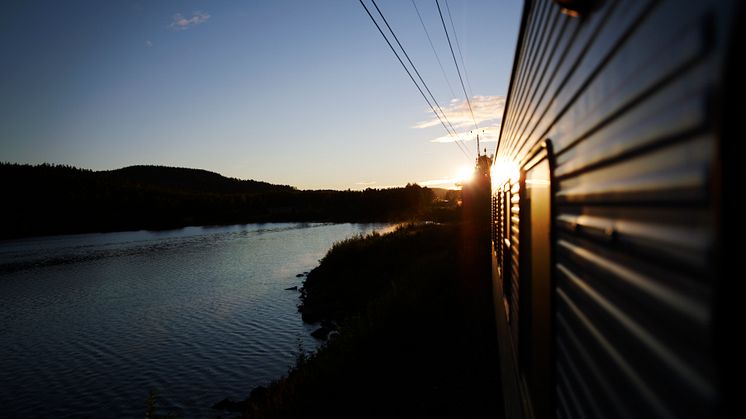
(90, 323)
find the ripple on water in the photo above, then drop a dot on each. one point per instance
(91, 323)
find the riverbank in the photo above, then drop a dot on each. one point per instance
(162, 198)
(413, 338)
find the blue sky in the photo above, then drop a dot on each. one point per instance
(305, 93)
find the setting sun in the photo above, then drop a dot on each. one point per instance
(464, 174)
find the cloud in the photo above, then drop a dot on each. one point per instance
(487, 134)
(181, 23)
(443, 183)
(373, 182)
(487, 110)
(148, 44)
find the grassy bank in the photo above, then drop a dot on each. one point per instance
(413, 341)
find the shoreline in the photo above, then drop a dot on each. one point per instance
(403, 340)
(163, 198)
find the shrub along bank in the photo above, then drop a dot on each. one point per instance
(413, 339)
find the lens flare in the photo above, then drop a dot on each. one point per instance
(465, 174)
(504, 170)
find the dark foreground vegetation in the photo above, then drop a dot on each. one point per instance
(52, 199)
(415, 336)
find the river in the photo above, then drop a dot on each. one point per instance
(90, 323)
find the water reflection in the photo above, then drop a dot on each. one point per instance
(91, 322)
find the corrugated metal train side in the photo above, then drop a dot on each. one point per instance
(609, 240)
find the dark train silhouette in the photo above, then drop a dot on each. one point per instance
(616, 211)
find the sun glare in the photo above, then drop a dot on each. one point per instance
(464, 175)
(504, 170)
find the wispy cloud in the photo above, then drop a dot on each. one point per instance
(148, 44)
(181, 22)
(443, 183)
(372, 182)
(487, 110)
(487, 134)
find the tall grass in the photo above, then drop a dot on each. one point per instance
(407, 345)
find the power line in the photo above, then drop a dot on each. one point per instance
(452, 133)
(468, 102)
(409, 74)
(417, 72)
(458, 48)
(442, 70)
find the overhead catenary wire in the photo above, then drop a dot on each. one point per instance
(455, 133)
(468, 102)
(442, 70)
(458, 48)
(410, 75)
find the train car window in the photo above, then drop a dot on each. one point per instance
(506, 257)
(498, 232)
(495, 225)
(536, 280)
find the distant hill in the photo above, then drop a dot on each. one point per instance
(189, 180)
(54, 199)
(170, 179)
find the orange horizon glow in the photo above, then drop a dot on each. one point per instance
(464, 175)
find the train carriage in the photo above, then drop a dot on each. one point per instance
(616, 211)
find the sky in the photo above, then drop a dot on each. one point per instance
(297, 92)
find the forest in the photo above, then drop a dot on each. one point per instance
(58, 199)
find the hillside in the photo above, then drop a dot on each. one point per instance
(188, 180)
(52, 199)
